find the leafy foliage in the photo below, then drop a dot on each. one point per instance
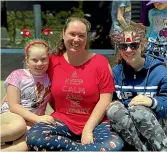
(51, 19)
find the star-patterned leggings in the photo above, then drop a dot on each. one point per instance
(58, 137)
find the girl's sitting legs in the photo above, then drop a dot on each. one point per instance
(122, 123)
(17, 145)
(13, 126)
(148, 125)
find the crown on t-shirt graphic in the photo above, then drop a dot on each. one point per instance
(74, 75)
(74, 80)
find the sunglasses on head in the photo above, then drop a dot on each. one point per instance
(124, 46)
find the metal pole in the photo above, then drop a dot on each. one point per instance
(37, 20)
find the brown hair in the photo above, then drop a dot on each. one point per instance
(116, 37)
(60, 47)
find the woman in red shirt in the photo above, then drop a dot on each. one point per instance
(82, 88)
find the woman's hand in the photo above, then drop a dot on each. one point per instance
(141, 100)
(95, 118)
(46, 119)
(87, 137)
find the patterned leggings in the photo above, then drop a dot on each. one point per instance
(137, 124)
(58, 137)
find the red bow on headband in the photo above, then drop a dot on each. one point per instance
(30, 38)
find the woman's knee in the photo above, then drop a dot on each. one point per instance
(119, 142)
(31, 137)
(115, 143)
(141, 113)
(116, 111)
(34, 133)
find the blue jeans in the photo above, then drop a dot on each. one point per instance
(58, 137)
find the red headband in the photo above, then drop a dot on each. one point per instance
(35, 42)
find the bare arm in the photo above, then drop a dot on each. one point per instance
(122, 21)
(120, 17)
(99, 111)
(13, 97)
(97, 115)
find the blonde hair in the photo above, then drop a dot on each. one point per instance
(60, 46)
(35, 46)
(27, 53)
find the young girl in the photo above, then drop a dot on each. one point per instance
(157, 31)
(138, 109)
(28, 91)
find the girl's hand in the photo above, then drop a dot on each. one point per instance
(4, 99)
(140, 25)
(141, 100)
(87, 137)
(46, 119)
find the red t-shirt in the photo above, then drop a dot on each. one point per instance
(76, 89)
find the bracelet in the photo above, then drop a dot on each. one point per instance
(154, 103)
